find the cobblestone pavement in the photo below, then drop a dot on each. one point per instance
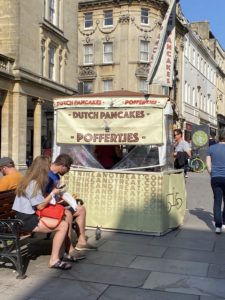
(186, 264)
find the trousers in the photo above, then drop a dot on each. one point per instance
(218, 188)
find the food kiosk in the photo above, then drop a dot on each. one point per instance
(141, 193)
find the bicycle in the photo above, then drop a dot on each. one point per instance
(197, 165)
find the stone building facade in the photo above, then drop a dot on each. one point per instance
(115, 40)
(38, 61)
(199, 84)
(217, 52)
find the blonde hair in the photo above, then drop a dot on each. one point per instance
(38, 171)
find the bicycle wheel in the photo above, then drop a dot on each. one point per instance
(197, 165)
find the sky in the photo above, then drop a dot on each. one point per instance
(207, 10)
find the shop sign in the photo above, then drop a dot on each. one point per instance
(139, 126)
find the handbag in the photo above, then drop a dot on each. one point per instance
(51, 211)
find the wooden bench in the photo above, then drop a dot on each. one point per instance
(10, 232)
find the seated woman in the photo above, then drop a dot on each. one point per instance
(29, 198)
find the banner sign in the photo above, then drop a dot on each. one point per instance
(146, 202)
(162, 59)
(139, 126)
(89, 101)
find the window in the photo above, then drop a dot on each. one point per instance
(198, 62)
(201, 102)
(107, 85)
(108, 18)
(144, 16)
(189, 94)
(52, 11)
(43, 57)
(186, 92)
(88, 20)
(144, 51)
(143, 86)
(60, 67)
(52, 63)
(193, 97)
(193, 58)
(87, 87)
(107, 53)
(88, 54)
(165, 90)
(186, 48)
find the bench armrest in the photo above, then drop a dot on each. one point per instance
(10, 226)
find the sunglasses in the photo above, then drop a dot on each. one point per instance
(176, 134)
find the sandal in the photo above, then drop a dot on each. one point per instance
(61, 265)
(73, 258)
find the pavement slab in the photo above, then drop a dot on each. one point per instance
(185, 284)
(185, 243)
(194, 255)
(123, 293)
(217, 271)
(56, 289)
(184, 264)
(109, 258)
(103, 274)
(170, 266)
(133, 248)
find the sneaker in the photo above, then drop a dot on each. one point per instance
(218, 230)
(186, 176)
(86, 247)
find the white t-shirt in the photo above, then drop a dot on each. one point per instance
(25, 204)
(182, 146)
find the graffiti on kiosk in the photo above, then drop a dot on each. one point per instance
(173, 200)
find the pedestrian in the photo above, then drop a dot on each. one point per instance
(58, 168)
(212, 139)
(11, 177)
(30, 198)
(182, 152)
(215, 161)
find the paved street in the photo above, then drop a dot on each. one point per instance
(186, 264)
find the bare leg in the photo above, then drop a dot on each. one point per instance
(59, 237)
(68, 242)
(80, 215)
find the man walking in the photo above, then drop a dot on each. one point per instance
(182, 152)
(215, 161)
(11, 177)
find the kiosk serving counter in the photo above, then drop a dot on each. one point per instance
(141, 193)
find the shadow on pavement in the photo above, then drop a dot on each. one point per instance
(205, 216)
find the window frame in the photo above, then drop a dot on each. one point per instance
(142, 52)
(108, 18)
(87, 20)
(107, 81)
(52, 12)
(107, 54)
(52, 63)
(144, 17)
(143, 81)
(88, 83)
(85, 54)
